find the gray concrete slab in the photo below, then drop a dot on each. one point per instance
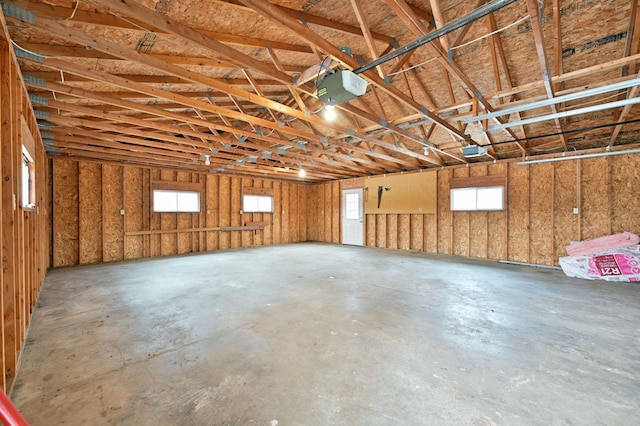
(317, 334)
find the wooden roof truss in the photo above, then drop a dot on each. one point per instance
(234, 80)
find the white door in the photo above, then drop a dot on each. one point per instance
(352, 217)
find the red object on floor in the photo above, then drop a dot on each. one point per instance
(9, 414)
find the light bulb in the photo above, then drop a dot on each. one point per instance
(302, 173)
(329, 112)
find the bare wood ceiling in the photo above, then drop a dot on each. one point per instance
(164, 83)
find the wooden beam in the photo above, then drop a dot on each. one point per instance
(317, 20)
(169, 25)
(366, 32)
(536, 29)
(111, 20)
(348, 161)
(60, 51)
(273, 13)
(105, 46)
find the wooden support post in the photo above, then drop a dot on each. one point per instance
(9, 200)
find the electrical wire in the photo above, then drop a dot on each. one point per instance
(492, 33)
(320, 68)
(412, 67)
(73, 14)
(30, 51)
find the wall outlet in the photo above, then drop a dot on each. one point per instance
(121, 212)
(208, 211)
(576, 210)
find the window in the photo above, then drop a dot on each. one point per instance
(175, 201)
(352, 206)
(28, 185)
(257, 203)
(481, 198)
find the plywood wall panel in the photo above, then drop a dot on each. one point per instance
(90, 214)
(460, 223)
(246, 237)
(565, 222)
(381, 230)
(236, 206)
(303, 212)
(184, 240)
(460, 233)
(478, 226)
(277, 213)
(284, 217)
(497, 223)
(112, 200)
(336, 196)
(444, 212)
(518, 205)
(65, 212)
(268, 231)
(416, 226)
(370, 235)
(625, 191)
(595, 198)
(478, 234)
(133, 212)
(392, 231)
(294, 210)
(327, 209)
(430, 226)
(313, 213)
(155, 221)
(541, 220)
(404, 231)
(496, 235)
(212, 212)
(225, 210)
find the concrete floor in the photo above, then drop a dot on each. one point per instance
(316, 334)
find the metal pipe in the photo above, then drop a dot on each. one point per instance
(452, 26)
(578, 157)
(565, 98)
(585, 110)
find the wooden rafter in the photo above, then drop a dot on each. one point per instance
(405, 13)
(366, 32)
(273, 13)
(630, 48)
(536, 28)
(112, 20)
(103, 45)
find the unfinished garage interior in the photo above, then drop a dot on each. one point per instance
(310, 212)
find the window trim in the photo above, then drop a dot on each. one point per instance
(153, 201)
(245, 210)
(27, 160)
(476, 209)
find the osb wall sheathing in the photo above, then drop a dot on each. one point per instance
(89, 226)
(538, 220)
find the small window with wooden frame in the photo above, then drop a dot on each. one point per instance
(481, 193)
(176, 197)
(257, 200)
(28, 178)
(28, 184)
